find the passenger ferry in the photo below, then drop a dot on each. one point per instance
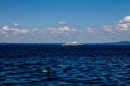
(72, 44)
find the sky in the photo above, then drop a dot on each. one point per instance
(59, 21)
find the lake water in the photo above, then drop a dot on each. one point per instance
(88, 65)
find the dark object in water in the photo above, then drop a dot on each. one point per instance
(47, 70)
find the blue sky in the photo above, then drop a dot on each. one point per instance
(64, 20)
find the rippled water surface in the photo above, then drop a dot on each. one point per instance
(88, 65)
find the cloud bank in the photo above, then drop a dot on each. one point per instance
(118, 31)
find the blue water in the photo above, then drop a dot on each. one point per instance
(88, 65)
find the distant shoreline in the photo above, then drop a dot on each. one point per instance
(110, 43)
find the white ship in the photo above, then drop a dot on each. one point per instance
(72, 44)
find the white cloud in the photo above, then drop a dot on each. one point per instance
(6, 28)
(24, 31)
(120, 21)
(107, 28)
(89, 30)
(12, 31)
(60, 30)
(65, 28)
(3, 32)
(19, 31)
(16, 24)
(123, 24)
(61, 22)
(126, 19)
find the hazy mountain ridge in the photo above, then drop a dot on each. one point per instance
(122, 42)
(112, 43)
(109, 43)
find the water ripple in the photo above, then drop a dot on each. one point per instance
(70, 66)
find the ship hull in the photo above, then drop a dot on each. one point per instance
(72, 45)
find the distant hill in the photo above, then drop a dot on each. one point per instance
(121, 43)
(111, 43)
